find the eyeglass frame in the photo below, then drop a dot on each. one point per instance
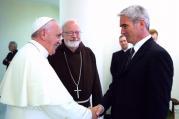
(71, 33)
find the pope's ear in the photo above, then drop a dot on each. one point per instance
(43, 34)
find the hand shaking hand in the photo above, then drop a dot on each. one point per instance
(96, 111)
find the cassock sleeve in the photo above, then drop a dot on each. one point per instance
(96, 90)
(67, 111)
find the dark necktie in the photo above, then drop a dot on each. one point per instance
(131, 52)
(130, 55)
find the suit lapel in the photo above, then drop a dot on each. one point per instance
(141, 52)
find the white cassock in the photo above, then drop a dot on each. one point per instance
(32, 90)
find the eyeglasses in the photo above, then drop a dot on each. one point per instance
(70, 33)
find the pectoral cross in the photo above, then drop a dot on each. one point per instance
(77, 91)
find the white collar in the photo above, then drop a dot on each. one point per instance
(140, 43)
(125, 49)
(40, 48)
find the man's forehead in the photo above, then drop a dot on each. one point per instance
(123, 39)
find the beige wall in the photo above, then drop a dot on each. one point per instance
(16, 17)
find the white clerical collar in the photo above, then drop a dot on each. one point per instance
(41, 49)
(125, 49)
(140, 43)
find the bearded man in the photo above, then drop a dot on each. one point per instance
(76, 67)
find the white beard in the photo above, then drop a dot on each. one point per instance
(72, 44)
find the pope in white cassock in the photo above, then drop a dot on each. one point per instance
(30, 87)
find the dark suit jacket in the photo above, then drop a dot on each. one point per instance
(118, 63)
(143, 90)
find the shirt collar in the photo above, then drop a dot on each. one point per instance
(125, 49)
(41, 48)
(140, 43)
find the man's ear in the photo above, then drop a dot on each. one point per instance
(142, 23)
(43, 34)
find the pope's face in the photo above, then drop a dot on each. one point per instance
(53, 37)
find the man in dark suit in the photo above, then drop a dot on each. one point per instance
(118, 58)
(143, 89)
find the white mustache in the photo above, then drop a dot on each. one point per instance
(72, 44)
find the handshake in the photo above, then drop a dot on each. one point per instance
(97, 111)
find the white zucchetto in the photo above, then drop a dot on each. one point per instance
(40, 22)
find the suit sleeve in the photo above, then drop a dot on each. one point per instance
(107, 98)
(159, 85)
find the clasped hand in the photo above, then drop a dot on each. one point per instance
(97, 111)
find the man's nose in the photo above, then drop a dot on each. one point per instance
(60, 41)
(74, 35)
